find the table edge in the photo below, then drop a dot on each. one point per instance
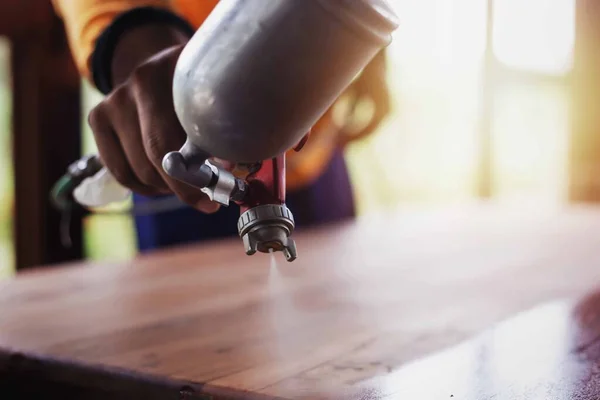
(18, 367)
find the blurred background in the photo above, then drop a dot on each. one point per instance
(483, 93)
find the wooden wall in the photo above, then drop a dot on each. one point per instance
(46, 128)
(585, 139)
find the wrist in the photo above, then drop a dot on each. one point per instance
(130, 39)
(138, 45)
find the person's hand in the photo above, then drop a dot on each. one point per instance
(136, 125)
(370, 86)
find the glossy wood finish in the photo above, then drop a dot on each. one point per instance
(549, 352)
(351, 319)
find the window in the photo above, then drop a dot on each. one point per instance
(535, 35)
(428, 149)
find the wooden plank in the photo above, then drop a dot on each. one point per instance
(25, 17)
(363, 302)
(548, 352)
(46, 139)
(485, 172)
(584, 185)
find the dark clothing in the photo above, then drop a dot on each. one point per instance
(328, 199)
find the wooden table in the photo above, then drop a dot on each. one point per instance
(360, 315)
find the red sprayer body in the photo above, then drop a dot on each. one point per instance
(248, 86)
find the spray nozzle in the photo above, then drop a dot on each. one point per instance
(267, 228)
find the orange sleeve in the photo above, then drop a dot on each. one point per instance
(85, 20)
(195, 11)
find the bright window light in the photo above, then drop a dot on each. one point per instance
(535, 35)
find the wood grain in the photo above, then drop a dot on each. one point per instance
(347, 320)
(549, 352)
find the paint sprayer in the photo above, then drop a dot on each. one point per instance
(247, 88)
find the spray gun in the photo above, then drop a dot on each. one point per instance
(247, 88)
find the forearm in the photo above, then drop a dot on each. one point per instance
(138, 44)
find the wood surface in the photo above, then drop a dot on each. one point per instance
(549, 352)
(25, 17)
(352, 318)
